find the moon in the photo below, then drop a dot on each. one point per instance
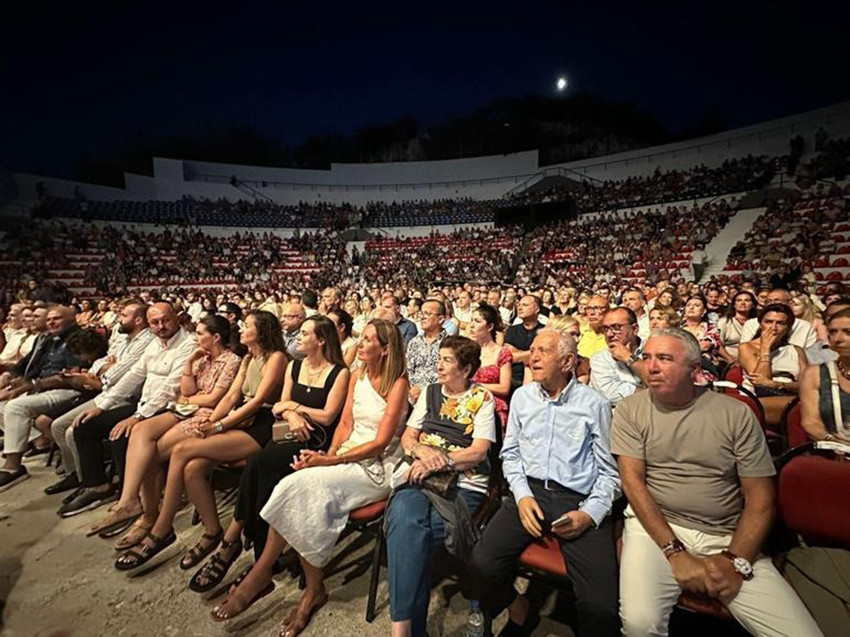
(561, 83)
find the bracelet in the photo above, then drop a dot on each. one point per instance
(829, 437)
(188, 374)
(672, 547)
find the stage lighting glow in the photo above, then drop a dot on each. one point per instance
(561, 84)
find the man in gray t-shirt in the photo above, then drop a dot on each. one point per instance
(699, 479)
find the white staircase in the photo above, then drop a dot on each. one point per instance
(717, 251)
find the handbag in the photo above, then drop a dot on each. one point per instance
(282, 432)
(444, 483)
(182, 410)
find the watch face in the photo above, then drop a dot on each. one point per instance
(742, 566)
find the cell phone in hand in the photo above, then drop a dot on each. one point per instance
(564, 520)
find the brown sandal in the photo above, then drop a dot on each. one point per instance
(134, 535)
(200, 551)
(117, 516)
(296, 622)
(240, 606)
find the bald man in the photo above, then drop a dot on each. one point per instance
(592, 337)
(22, 397)
(290, 321)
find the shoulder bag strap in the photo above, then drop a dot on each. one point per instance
(836, 396)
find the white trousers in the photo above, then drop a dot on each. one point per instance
(765, 605)
(17, 415)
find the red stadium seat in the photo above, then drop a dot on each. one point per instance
(834, 276)
(792, 428)
(814, 501)
(840, 263)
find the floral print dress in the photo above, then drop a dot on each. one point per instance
(490, 375)
(209, 376)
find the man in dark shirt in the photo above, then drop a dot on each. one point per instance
(520, 336)
(22, 396)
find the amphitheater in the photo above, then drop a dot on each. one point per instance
(485, 220)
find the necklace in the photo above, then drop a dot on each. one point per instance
(843, 369)
(312, 378)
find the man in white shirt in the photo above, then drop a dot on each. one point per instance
(802, 332)
(635, 300)
(15, 334)
(125, 349)
(157, 374)
(614, 371)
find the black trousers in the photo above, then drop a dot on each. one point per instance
(90, 437)
(261, 475)
(591, 559)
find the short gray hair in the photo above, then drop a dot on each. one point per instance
(566, 341)
(693, 353)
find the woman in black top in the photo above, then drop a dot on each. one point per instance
(313, 396)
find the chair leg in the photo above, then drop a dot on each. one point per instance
(376, 571)
(53, 448)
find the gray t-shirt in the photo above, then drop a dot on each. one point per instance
(694, 455)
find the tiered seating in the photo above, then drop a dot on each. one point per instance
(634, 248)
(813, 232)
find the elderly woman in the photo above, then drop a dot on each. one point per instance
(449, 431)
(817, 398)
(772, 366)
(309, 508)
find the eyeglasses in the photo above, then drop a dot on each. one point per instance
(615, 329)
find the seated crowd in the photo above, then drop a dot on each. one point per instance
(572, 396)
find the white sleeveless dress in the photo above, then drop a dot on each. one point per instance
(309, 508)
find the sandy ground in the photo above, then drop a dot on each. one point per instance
(55, 581)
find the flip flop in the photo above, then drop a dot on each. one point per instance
(292, 627)
(116, 517)
(218, 617)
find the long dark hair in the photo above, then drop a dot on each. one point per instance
(492, 317)
(269, 335)
(344, 319)
(730, 313)
(326, 332)
(781, 308)
(217, 324)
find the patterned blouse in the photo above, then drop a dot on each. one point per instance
(210, 375)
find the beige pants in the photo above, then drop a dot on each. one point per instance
(765, 605)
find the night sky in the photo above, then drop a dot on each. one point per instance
(79, 79)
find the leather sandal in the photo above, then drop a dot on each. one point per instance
(137, 532)
(297, 622)
(219, 614)
(143, 553)
(200, 551)
(212, 573)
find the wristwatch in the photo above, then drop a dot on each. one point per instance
(217, 427)
(451, 461)
(742, 566)
(672, 547)
(634, 358)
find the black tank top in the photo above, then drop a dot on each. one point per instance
(315, 397)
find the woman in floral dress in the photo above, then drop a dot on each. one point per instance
(494, 374)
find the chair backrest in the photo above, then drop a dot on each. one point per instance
(733, 390)
(814, 500)
(792, 427)
(734, 374)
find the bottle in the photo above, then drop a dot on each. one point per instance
(475, 623)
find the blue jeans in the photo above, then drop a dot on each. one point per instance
(415, 531)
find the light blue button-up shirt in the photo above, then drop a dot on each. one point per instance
(565, 439)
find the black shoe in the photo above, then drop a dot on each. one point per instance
(67, 483)
(9, 479)
(86, 501)
(72, 495)
(35, 450)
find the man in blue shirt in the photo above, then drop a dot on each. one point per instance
(557, 460)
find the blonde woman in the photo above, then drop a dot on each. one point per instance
(803, 308)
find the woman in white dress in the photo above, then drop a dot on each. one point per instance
(309, 508)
